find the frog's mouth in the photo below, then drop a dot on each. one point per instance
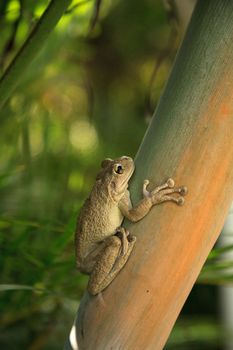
(130, 174)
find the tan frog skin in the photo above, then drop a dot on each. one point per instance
(102, 245)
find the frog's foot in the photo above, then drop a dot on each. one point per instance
(163, 193)
(123, 234)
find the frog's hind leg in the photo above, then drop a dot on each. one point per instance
(109, 263)
(87, 264)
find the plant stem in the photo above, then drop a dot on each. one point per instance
(189, 139)
(31, 48)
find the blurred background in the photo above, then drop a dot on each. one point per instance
(90, 94)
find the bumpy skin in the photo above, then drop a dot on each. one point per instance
(102, 245)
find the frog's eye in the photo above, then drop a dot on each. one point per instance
(118, 168)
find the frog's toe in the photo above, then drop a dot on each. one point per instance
(131, 238)
(170, 182)
(183, 190)
(180, 201)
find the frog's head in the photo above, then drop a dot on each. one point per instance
(115, 175)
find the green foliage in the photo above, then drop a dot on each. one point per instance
(196, 333)
(219, 269)
(72, 107)
(31, 46)
(81, 99)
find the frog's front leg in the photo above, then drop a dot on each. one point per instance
(160, 194)
(109, 263)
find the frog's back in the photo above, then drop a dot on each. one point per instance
(97, 220)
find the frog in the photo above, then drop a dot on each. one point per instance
(102, 244)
